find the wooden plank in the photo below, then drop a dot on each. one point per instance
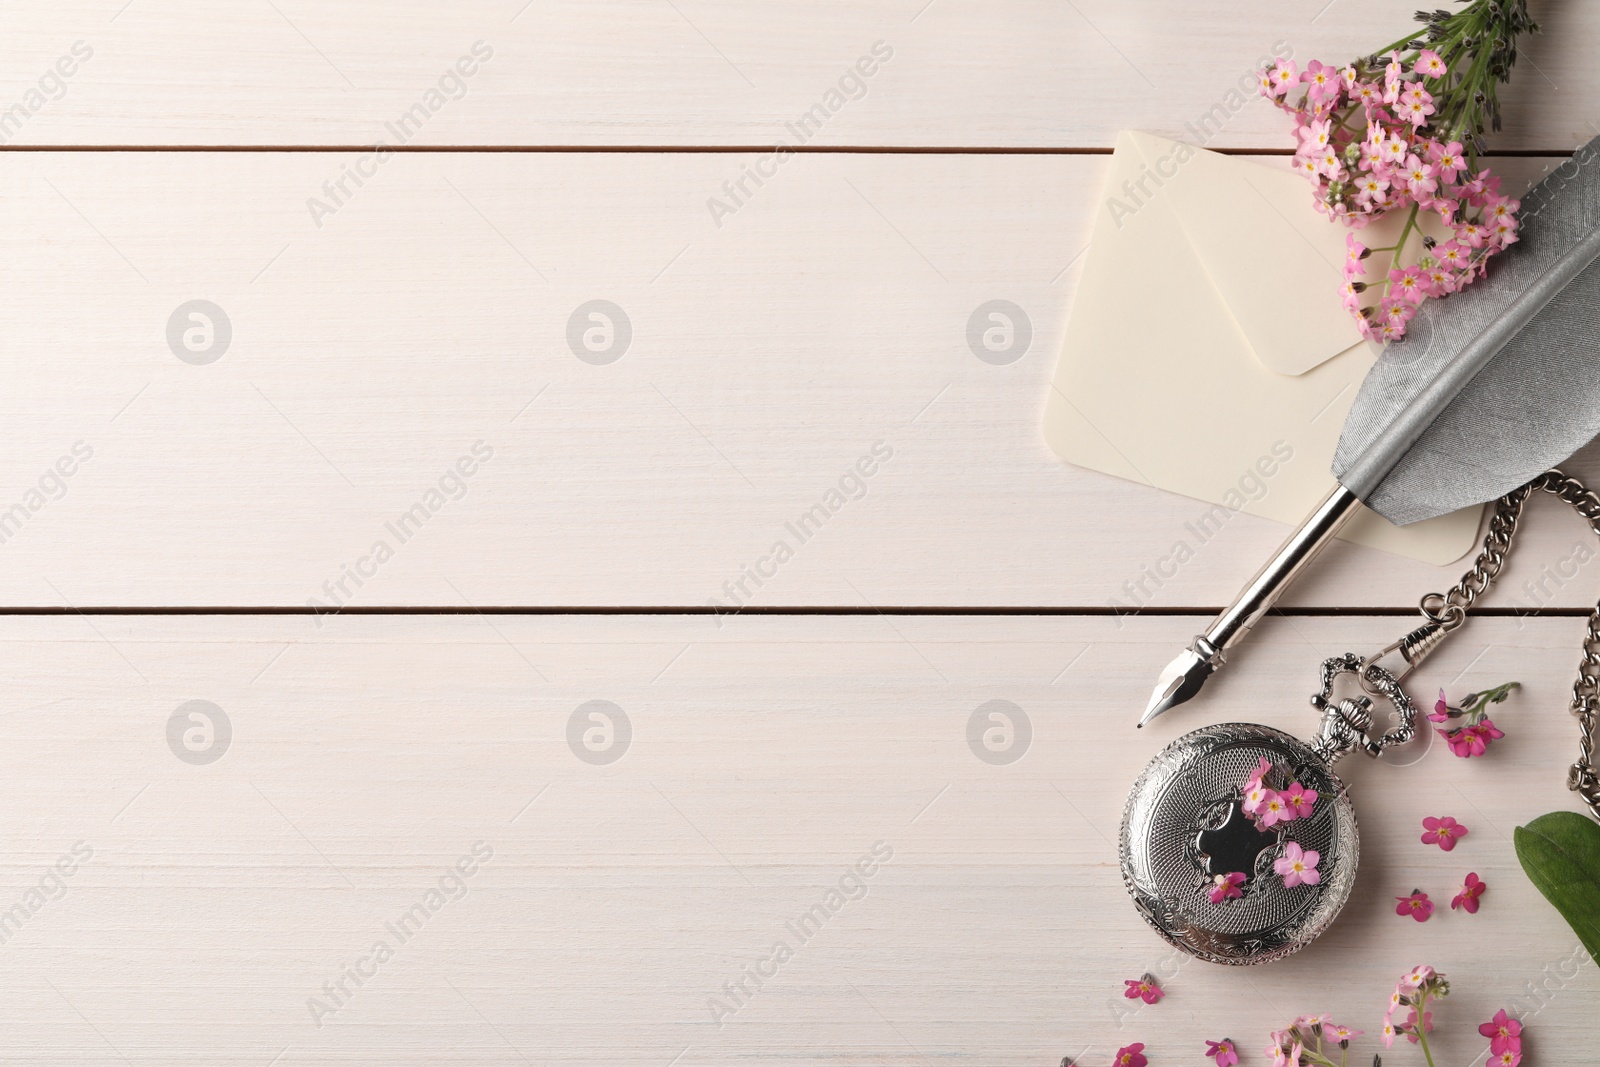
(696, 72)
(365, 758)
(767, 359)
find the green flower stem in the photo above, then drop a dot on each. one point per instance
(1404, 42)
(1478, 45)
(1399, 249)
(1317, 1056)
(1422, 1027)
(1465, 120)
(1479, 701)
(1475, 706)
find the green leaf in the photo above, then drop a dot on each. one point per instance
(1561, 854)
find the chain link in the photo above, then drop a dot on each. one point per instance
(1448, 610)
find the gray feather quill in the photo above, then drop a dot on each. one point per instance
(1496, 383)
(1491, 387)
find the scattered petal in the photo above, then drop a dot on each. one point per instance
(1298, 866)
(1226, 887)
(1467, 899)
(1442, 831)
(1223, 1052)
(1299, 799)
(1417, 905)
(1504, 1033)
(1143, 988)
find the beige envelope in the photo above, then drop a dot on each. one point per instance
(1207, 352)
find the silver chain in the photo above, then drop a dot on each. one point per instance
(1448, 610)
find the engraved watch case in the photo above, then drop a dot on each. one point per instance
(1184, 824)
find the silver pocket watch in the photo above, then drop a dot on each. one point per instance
(1187, 829)
(1214, 877)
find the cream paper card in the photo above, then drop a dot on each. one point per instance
(1207, 352)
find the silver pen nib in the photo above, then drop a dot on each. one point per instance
(1181, 680)
(1185, 675)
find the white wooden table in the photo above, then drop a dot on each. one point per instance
(396, 367)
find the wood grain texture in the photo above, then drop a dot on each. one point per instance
(390, 335)
(1024, 74)
(367, 756)
(430, 312)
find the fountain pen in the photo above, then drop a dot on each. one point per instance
(1186, 674)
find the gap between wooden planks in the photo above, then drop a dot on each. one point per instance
(578, 72)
